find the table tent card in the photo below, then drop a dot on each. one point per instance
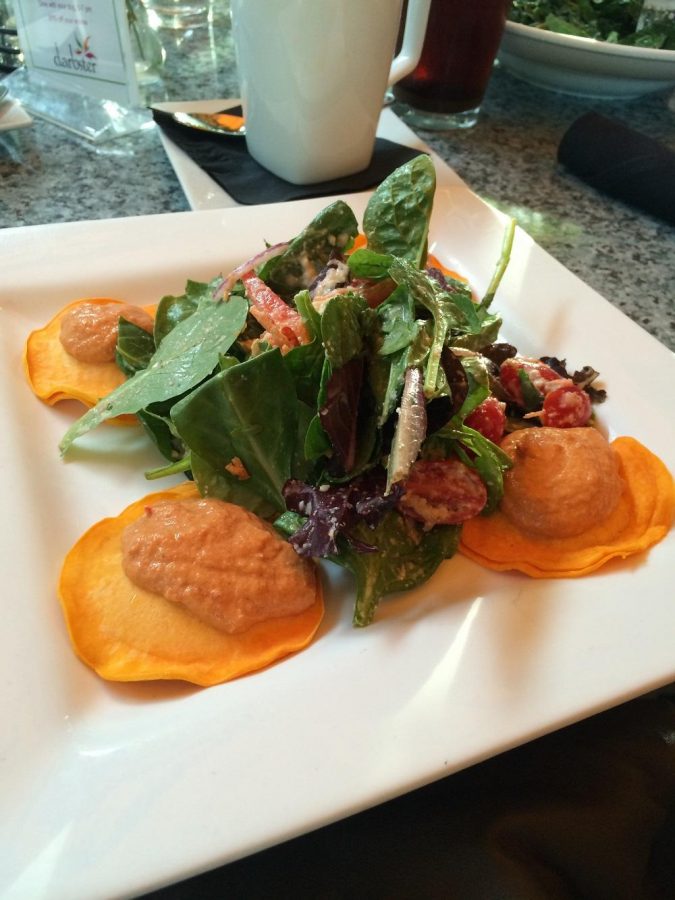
(79, 68)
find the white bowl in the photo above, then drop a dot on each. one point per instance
(583, 66)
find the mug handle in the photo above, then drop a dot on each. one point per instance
(413, 39)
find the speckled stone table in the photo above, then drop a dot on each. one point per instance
(509, 159)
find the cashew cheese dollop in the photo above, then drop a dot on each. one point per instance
(563, 480)
(226, 566)
(89, 330)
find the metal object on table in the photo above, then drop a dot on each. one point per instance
(216, 123)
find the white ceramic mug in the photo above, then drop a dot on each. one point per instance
(313, 74)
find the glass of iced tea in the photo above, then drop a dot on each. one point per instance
(446, 88)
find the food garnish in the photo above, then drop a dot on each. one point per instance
(128, 633)
(640, 518)
(73, 357)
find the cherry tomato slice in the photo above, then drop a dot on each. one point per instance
(538, 373)
(568, 406)
(489, 418)
(284, 323)
(443, 492)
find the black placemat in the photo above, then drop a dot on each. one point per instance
(621, 163)
(227, 161)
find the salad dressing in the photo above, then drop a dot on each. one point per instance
(89, 330)
(222, 563)
(563, 481)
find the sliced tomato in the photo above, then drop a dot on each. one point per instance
(538, 373)
(284, 325)
(568, 406)
(443, 492)
(489, 418)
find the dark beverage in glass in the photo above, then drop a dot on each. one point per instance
(446, 88)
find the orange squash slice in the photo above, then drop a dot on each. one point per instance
(642, 518)
(54, 375)
(126, 633)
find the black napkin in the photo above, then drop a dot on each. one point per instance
(227, 161)
(622, 163)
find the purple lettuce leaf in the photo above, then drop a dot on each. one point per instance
(333, 510)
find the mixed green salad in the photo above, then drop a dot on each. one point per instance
(632, 22)
(333, 390)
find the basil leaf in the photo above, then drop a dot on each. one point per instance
(305, 363)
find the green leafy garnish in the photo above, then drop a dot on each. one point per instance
(187, 355)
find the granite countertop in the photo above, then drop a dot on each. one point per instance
(509, 159)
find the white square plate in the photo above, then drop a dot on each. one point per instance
(111, 790)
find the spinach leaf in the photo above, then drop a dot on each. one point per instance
(135, 347)
(332, 230)
(172, 310)
(406, 557)
(397, 321)
(248, 411)
(365, 263)
(305, 364)
(185, 357)
(342, 328)
(302, 467)
(317, 441)
(223, 485)
(396, 220)
(160, 430)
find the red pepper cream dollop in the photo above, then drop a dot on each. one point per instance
(89, 330)
(562, 482)
(222, 563)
